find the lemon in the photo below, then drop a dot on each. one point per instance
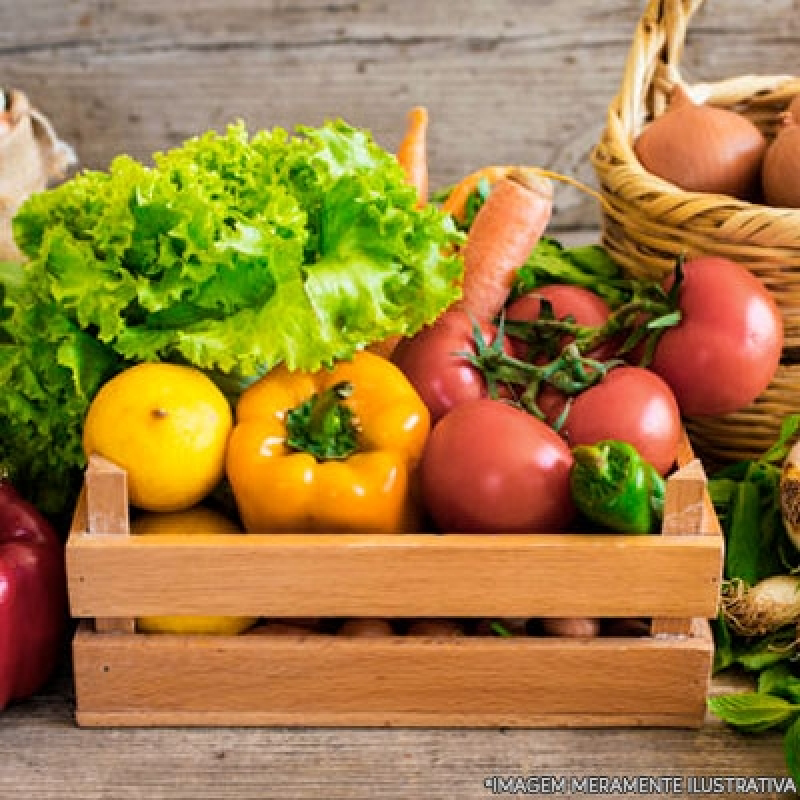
(168, 426)
(198, 520)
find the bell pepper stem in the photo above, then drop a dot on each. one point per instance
(594, 459)
(323, 425)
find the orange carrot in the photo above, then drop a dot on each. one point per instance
(412, 152)
(505, 230)
(456, 202)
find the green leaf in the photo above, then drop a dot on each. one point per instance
(594, 259)
(780, 680)
(791, 749)
(780, 449)
(724, 656)
(765, 651)
(751, 711)
(664, 321)
(474, 202)
(589, 266)
(735, 471)
(743, 551)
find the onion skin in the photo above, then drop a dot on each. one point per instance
(701, 148)
(780, 175)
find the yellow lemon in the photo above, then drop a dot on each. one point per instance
(168, 426)
(198, 520)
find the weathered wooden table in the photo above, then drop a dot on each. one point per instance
(45, 756)
(505, 81)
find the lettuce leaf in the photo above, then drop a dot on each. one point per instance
(232, 253)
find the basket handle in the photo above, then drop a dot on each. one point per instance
(651, 68)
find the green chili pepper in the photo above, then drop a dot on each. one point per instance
(613, 486)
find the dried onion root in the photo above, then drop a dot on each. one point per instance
(763, 608)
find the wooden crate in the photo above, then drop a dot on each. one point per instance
(125, 678)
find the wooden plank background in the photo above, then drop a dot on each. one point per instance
(506, 81)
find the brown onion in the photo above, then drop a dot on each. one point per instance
(701, 148)
(780, 175)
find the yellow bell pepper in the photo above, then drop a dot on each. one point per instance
(332, 450)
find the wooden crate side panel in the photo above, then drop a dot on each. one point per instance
(154, 680)
(114, 577)
(687, 510)
(370, 719)
(414, 575)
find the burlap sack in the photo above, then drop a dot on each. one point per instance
(31, 157)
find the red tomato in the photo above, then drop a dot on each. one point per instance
(551, 402)
(632, 404)
(726, 348)
(583, 305)
(488, 466)
(430, 361)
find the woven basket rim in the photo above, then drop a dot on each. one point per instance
(652, 69)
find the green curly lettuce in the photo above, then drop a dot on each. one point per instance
(232, 253)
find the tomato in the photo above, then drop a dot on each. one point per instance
(551, 403)
(584, 306)
(632, 404)
(430, 360)
(726, 348)
(489, 466)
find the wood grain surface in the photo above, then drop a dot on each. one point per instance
(506, 81)
(45, 757)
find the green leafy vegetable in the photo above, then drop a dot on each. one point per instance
(589, 266)
(781, 681)
(753, 711)
(746, 497)
(231, 253)
(791, 748)
(746, 548)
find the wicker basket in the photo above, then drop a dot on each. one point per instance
(648, 222)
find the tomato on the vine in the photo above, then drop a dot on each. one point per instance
(432, 361)
(634, 405)
(586, 309)
(489, 466)
(727, 346)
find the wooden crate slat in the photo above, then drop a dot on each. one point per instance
(415, 575)
(687, 509)
(323, 680)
